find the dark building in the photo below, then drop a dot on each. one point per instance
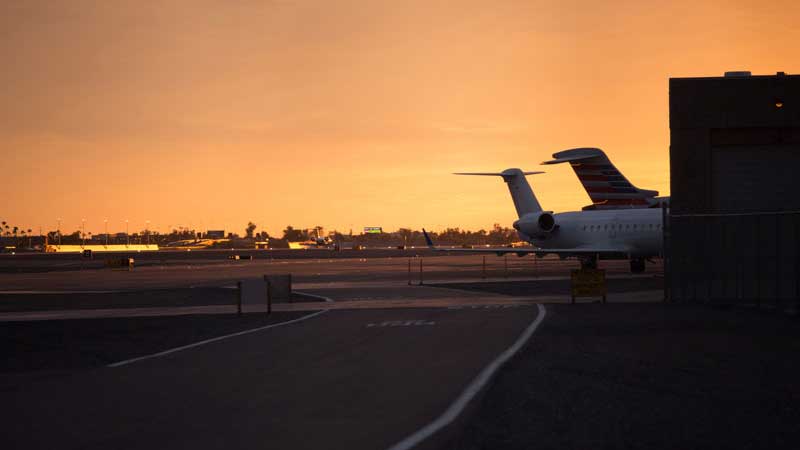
(734, 226)
(215, 234)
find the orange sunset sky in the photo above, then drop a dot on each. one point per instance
(345, 113)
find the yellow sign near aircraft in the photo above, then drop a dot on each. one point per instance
(589, 283)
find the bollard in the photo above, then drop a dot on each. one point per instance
(239, 300)
(269, 295)
(484, 267)
(290, 288)
(420, 272)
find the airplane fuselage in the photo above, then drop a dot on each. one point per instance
(636, 232)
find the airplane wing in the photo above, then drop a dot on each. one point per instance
(500, 251)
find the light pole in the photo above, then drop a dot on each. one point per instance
(105, 222)
(147, 232)
(127, 236)
(59, 231)
(83, 232)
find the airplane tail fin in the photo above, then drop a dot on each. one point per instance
(428, 239)
(521, 193)
(606, 185)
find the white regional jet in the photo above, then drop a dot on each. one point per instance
(588, 235)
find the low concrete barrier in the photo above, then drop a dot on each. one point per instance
(256, 293)
(252, 295)
(280, 287)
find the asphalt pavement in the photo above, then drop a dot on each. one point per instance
(345, 379)
(646, 376)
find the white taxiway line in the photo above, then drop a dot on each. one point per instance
(461, 402)
(321, 297)
(208, 341)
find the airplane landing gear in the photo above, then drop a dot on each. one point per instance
(588, 262)
(637, 265)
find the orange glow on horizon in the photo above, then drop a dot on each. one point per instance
(346, 114)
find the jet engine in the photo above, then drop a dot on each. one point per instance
(536, 225)
(546, 222)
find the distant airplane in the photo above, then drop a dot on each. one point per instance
(588, 235)
(313, 242)
(606, 185)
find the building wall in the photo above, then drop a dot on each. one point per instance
(734, 228)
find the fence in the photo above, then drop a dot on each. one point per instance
(476, 267)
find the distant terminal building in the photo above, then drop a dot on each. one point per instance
(101, 248)
(734, 225)
(215, 234)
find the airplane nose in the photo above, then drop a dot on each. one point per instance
(516, 225)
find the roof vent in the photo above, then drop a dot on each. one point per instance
(738, 74)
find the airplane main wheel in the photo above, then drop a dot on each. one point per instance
(637, 265)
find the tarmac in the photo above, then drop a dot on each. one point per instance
(348, 379)
(363, 357)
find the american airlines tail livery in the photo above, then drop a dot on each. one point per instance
(634, 233)
(606, 185)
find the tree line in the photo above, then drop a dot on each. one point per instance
(497, 235)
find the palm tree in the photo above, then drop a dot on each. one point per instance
(248, 232)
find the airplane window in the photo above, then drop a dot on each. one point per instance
(584, 228)
(651, 226)
(628, 226)
(605, 227)
(634, 226)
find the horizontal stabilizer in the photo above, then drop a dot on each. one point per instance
(578, 154)
(494, 174)
(521, 193)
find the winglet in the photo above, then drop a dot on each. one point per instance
(428, 239)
